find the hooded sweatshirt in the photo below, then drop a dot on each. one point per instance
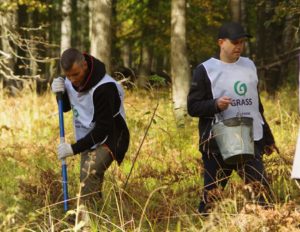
(109, 126)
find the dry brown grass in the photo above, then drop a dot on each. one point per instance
(164, 188)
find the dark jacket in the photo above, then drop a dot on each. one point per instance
(200, 103)
(106, 104)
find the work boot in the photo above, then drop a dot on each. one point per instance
(204, 209)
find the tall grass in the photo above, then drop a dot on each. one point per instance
(164, 187)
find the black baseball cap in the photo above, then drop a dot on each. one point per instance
(232, 31)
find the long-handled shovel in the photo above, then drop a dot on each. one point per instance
(62, 140)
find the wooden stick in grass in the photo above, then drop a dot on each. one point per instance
(141, 144)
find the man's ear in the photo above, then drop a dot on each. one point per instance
(220, 42)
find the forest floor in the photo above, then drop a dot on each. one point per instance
(164, 188)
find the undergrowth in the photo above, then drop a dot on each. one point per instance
(165, 184)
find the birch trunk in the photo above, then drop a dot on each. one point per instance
(7, 22)
(180, 69)
(100, 30)
(65, 41)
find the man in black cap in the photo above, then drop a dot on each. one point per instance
(225, 86)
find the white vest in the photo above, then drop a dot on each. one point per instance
(239, 82)
(83, 106)
(296, 163)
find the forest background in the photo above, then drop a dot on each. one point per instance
(152, 47)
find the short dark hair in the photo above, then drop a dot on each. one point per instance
(69, 57)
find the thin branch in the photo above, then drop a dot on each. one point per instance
(287, 56)
(141, 144)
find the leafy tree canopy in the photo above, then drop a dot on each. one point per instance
(11, 5)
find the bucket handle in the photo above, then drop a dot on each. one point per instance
(217, 118)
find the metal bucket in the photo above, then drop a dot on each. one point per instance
(234, 137)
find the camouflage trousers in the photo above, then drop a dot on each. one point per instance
(92, 168)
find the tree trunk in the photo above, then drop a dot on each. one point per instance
(145, 66)
(126, 55)
(299, 86)
(235, 10)
(180, 69)
(79, 24)
(244, 22)
(33, 20)
(7, 20)
(100, 30)
(268, 40)
(65, 41)
(7, 66)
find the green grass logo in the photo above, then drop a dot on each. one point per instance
(240, 88)
(75, 112)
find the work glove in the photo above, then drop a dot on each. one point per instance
(64, 150)
(58, 85)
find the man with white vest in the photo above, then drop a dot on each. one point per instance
(226, 86)
(96, 100)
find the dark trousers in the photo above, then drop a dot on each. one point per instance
(217, 173)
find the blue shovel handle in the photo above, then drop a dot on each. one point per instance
(62, 140)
